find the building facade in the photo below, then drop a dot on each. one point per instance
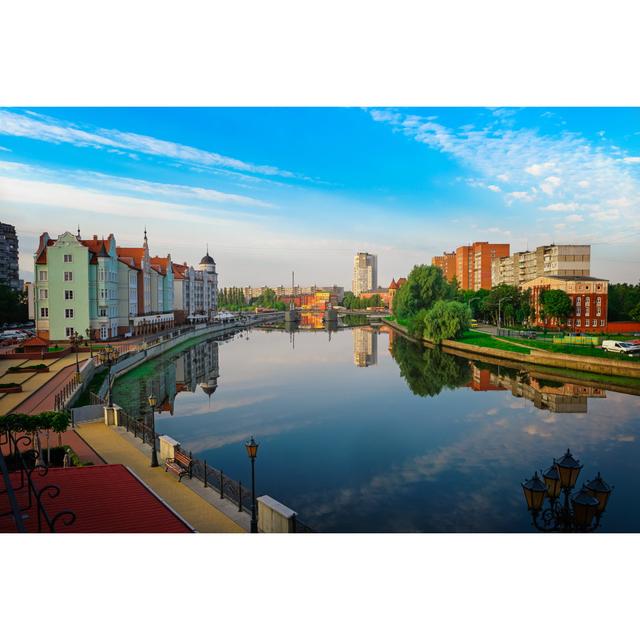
(365, 273)
(447, 263)
(9, 273)
(365, 346)
(195, 290)
(99, 290)
(589, 297)
(548, 260)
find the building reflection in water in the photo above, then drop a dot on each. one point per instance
(193, 369)
(545, 394)
(365, 346)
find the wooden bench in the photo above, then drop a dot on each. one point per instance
(179, 464)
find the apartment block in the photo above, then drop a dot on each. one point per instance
(9, 256)
(365, 273)
(447, 263)
(548, 260)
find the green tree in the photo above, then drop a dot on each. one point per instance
(556, 304)
(13, 305)
(634, 314)
(424, 286)
(446, 320)
(428, 370)
(623, 298)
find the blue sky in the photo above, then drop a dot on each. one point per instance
(274, 189)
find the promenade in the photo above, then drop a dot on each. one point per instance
(121, 448)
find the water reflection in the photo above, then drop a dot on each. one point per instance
(421, 441)
(365, 346)
(187, 371)
(428, 371)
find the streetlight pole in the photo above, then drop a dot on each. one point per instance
(89, 341)
(252, 451)
(154, 452)
(75, 340)
(500, 301)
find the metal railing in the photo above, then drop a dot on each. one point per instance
(24, 495)
(66, 392)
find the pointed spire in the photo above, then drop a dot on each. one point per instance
(145, 235)
(78, 235)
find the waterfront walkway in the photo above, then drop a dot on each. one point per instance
(116, 448)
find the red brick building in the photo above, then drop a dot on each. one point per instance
(470, 265)
(589, 297)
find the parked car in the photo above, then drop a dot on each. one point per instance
(528, 334)
(13, 335)
(616, 346)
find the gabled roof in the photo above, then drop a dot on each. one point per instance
(35, 341)
(401, 281)
(129, 262)
(135, 253)
(179, 271)
(394, 284)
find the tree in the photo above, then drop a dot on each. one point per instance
(635, 313)
(13, 305)
(556, 304)
(446, 320)
(425, 285)
(623, 298)
(428, 370)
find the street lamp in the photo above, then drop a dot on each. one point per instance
(252, 451)
(580, 512)
(74, 339)
(108, 356)
(154, 452)
(499, 303)
(89, 341)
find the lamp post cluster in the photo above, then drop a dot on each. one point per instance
(109, 356)
(154, 451)
(551, 504)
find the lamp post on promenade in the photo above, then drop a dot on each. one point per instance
(108, 356)
(580, 512)
(74, 339)
(89, 341)
(154, 452)
(252, 451)
(499, 303)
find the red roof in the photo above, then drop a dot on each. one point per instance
(105, 499)
(401, 281)
(135, 253)
(35, 341)
(393, 284)
(179, 271)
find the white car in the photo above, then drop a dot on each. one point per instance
(617, 346)
(13, 335)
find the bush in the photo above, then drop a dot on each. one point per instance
(446, 320)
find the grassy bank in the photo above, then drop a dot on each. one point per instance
(479, 339)
(570, 349)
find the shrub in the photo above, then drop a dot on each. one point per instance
(446, 320)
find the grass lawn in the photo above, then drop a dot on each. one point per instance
(572, 349)
(479, 339)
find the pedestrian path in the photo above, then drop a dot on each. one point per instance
(115, 448)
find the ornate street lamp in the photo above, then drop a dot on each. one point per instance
(154, 452)
(252, 451)
(75, 340)
(108, 356)
(580, 512)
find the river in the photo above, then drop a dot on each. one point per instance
(361, 430)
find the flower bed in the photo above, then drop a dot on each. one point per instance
(38, 368)
(10, 387)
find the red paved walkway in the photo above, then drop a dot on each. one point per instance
(44, 398)
(105, 499)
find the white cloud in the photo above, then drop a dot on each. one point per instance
(561, 206)
(494, 187)
(5, 149)
(574, 217)
(539, 169)
(631, 160)
(50, 130)
(550, 184)
(503, 177)
(584, 184)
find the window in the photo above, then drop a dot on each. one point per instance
(104, 332)
(69, 331)
(44, 294)
(102, 311)
(602, 323)
(44, 312)
(598, 300)
(68, 313)
(43, 276)
(68, 257)
(68, 276)
(578, 322)
(68, 295)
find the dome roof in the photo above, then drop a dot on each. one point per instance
(207, 259)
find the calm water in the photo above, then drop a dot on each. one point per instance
(366, 431)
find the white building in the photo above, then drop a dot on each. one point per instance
(195, 293)
(365, 273)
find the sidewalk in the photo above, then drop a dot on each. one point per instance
(38, 389)
(116, 448)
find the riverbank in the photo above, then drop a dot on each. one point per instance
(614, 375)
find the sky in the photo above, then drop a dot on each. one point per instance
(276, 190)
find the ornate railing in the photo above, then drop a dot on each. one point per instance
(24, 494)
(60, 399)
